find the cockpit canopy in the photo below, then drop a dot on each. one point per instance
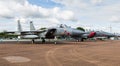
(63, 26)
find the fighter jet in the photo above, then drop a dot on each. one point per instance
(51, 33)
(67, 31)
(32, 34)
(103, 34)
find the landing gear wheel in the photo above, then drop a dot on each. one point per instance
(33, 41)
(43, 40)
(82, 40)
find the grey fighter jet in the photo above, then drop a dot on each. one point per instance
(66, 31)
(103, 34)
(51, 33)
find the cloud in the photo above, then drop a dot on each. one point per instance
(93, 12)
(63, 14)
(23, 9)
(72, 3)
(115, 19)
(96, 1)
(84, 4)
(9, 26)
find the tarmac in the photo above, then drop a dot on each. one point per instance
(64, 53)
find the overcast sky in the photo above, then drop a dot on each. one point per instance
(90, 14)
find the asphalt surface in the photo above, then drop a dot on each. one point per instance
(98, 53)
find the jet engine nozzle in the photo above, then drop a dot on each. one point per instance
(92, 34)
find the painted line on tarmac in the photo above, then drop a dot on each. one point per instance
(16, 59)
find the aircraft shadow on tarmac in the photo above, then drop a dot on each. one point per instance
(51, 42)
(37, 42)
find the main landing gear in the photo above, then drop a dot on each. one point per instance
(33, 41)
(80, 39)
(43, 40)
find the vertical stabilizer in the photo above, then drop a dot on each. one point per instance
(19, 27)
(32, 28)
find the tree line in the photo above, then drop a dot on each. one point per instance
(4, 35)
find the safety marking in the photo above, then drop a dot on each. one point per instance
(16, 59)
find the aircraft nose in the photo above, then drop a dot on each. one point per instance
(92, 34)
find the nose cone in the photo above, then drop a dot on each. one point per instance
(92, 34)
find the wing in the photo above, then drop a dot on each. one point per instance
(36, 32)
(32, 32)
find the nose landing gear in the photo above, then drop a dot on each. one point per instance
(33, 41)
(43, 40)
